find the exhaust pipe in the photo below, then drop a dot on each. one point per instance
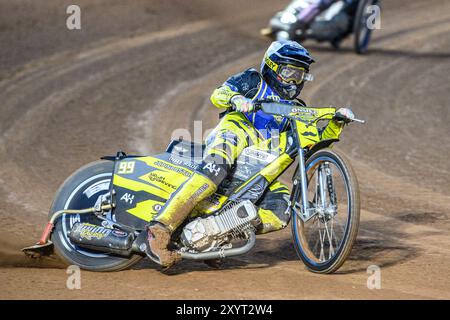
(222, 253)
(98, 238)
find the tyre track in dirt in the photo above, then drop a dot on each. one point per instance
(396, 232)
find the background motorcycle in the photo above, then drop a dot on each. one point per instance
(339, 21)
(98, 217)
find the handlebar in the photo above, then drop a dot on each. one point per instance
(259, 105)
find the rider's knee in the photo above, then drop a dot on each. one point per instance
(269, 221)
(274, 213)
(278, 203)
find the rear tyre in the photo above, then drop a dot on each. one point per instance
(80, 191)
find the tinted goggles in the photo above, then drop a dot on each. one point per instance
(293, 74)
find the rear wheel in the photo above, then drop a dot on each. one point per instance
(324, 241)
(80, 191)
(361, 30)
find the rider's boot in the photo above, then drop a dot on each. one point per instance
(172, 214)
(270, 221)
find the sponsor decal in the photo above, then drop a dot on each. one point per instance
(95, 188)
(273, 97)
(157, 207)
(199, 191)
(213, 168)
(128, 198)
(308, 133)
(188, 164)
(198, 194)
(191, 165)
(156, 178)
(304, 110)
(259, 155)
(164, 165)
(119, 233)
(89, 231)
(175, 161)
(272, 65)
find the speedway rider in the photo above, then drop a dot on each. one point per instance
(284, 70)
(308, 15)
(336, 20)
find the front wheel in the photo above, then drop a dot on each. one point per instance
(361, 29)
(324, 241)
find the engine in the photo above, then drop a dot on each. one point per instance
(203, 234)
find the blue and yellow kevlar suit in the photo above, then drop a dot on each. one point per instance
(236, 131)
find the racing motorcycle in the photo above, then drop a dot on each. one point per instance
(343, 18)
(99, 215)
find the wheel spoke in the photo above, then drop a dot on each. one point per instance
(322, 253)
(330, 240)
(316, 222)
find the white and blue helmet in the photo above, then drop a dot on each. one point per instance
(285, 67)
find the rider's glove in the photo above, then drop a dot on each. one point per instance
(344, 115)
(242, 104)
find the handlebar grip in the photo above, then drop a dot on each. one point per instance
(256, 106)
(359, 120)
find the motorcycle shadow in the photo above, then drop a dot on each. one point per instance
(380, 244)
(269, 250)
(377, 244)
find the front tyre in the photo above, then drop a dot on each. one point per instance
(360, 28)
(80, 191)
(324, 242)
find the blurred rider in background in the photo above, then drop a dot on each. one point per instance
(308, 14)
(323, 20)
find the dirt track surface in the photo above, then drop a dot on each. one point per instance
(69, 97)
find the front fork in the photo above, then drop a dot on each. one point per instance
(305, 210)
(324, 185)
